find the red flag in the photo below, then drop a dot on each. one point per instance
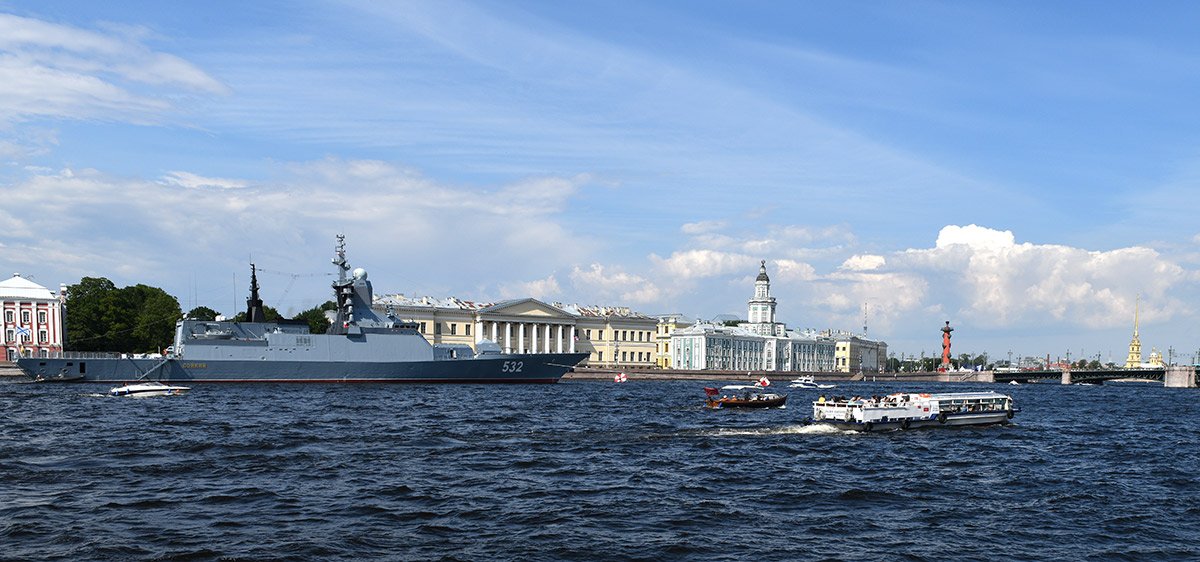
(710, 391)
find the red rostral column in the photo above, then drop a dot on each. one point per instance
(945, 366)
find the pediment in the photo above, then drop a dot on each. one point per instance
(529, 308)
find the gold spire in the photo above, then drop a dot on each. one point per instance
(1136, 305)
(1134, 359)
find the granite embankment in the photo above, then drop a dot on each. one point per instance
(601, 373)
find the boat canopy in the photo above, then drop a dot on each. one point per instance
(743, 387)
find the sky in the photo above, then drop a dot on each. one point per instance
(1025, 170)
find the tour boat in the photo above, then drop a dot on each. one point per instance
(743, 396)
(148, 389)
(807, 381)
(909, 410)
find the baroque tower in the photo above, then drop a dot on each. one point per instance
(761, 314)
(1134, 360)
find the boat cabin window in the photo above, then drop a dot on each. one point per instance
(82, 367)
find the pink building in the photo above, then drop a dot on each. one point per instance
(31, 319)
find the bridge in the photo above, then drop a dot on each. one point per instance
(1178, 376)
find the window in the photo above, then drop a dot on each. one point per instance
(8, 316)
(8, 336)
(437, 328)
(423, 328)
(466, 329)
(42, 336)
(453, 329)
(41, 317)
(25, 316)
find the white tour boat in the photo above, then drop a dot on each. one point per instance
(807, 381)
(908, 410)
(148, 389)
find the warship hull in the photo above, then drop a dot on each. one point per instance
(515, 368)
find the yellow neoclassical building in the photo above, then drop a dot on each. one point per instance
(614, 337)
(667, 323)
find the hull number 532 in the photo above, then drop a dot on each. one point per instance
(512, 366)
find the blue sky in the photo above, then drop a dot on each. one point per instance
(1023, 170)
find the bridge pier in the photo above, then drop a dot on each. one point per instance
(1066, 376)
(1179, 377)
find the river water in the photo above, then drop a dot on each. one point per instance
(588, 471)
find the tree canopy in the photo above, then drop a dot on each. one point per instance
(270, 313)
(317, 322)
(101, 317)
(203, 313)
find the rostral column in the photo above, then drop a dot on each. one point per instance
(945, 366)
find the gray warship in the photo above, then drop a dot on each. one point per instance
(360, 346)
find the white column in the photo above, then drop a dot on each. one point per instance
(571, 341)
(546, 346)
(508, 337)
(494, 325)
(560, 337)
(533, 338)
(478, 330)
(521, 337)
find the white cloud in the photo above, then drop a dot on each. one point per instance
(995, 281)
(542, 289)
(193, 181)
(397, 222)
(693, 264)
(60, 71)
(702, 227)
(864, 263)
(615, 284)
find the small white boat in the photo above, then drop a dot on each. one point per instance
(807, 381)
(905, 410)
(148, 389)
(1014, 383)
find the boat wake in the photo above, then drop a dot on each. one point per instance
(794, 429)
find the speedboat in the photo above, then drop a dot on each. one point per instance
(905, 410)
(148, 389)
(807, 381)
(743, 396)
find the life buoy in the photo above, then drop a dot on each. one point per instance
(942, 417)
(904, 424)
(867, 427)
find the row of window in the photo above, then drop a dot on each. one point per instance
(620, 335)
(635, 356)
(10, 336)
(10, 316)
(12, 353)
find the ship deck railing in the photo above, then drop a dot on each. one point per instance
(97, 355)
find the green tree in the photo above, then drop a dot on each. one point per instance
(101, 317)
(732, 323)
(156, 314)
(315, 316)
(203, 313)
(88, 314)
(270, 313)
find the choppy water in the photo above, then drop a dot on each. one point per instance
(587, 471)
